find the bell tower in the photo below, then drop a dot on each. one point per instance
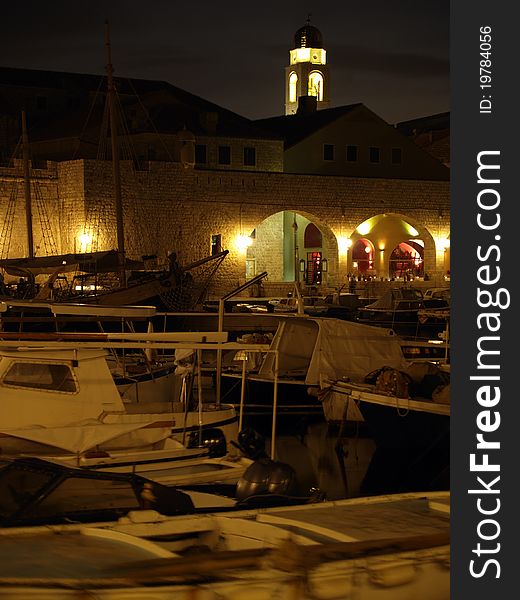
(307, 73)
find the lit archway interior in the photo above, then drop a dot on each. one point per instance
(407, 260)
(292, 247)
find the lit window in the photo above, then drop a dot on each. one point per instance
(293, 82)
(374, 154)
(316, 85)
(328, 151)
(224, 155)
(216, 244)
(351, 153)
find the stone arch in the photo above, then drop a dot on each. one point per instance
(385, 231)
(279, 247)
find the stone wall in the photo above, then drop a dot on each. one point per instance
(168, 207)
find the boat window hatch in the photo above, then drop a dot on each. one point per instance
(54, 377)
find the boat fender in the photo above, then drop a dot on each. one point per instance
(266, 476)
(214, 440)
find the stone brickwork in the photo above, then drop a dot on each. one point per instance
(168, 207)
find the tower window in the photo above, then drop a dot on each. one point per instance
(396, 156)
(250, 157)
(351, 153)
(328, 151)
(316, 85)
(201, 157)
(216, 244)
(293, 83)
(224, 155)
(374, 154)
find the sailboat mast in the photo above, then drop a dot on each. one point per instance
(111, 95)
(27, 187)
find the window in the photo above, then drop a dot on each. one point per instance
(374, 154)
(328, 151)
(316, 85)
(396, 156)
(43, 376)
(293, 82)
(224, 155)
(312, 238)
(351, 153)
(78, 494)
(200, 154)
(250, 157)
(216, 244)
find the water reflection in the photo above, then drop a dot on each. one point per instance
(321, 458)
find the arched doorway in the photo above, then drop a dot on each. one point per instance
(363, 257)
(394, 247)
(293, 247)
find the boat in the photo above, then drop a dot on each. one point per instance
(407, 413)
(60, 401)
(393, 546)
(304, 350)
(398, 309)
(140, 375)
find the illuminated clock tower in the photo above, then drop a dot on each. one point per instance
(307, 74)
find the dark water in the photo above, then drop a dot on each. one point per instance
(320, 458)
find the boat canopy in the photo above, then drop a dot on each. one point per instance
(395, 297)
(310, 348)
(96, 262)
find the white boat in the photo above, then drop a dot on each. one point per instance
(304, 350)
(381, 548)
(60, 401)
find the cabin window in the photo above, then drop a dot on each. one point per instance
(78, 494)
(41, 376)
(25, 482)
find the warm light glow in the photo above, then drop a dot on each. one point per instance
(411, 230)
(316, 56)
(344, 243)
(445, 244)
(293, 81)
(381, 247)
(364, 228)
(316, 85)
(85, 239)
(243, 242)
(368, 249)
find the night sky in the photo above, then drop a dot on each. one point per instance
(392, 56)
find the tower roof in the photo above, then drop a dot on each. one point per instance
(308, 36)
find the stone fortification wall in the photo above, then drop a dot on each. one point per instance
(168, 207)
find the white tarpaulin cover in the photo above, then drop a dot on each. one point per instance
(331, 348)
(82, 437)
